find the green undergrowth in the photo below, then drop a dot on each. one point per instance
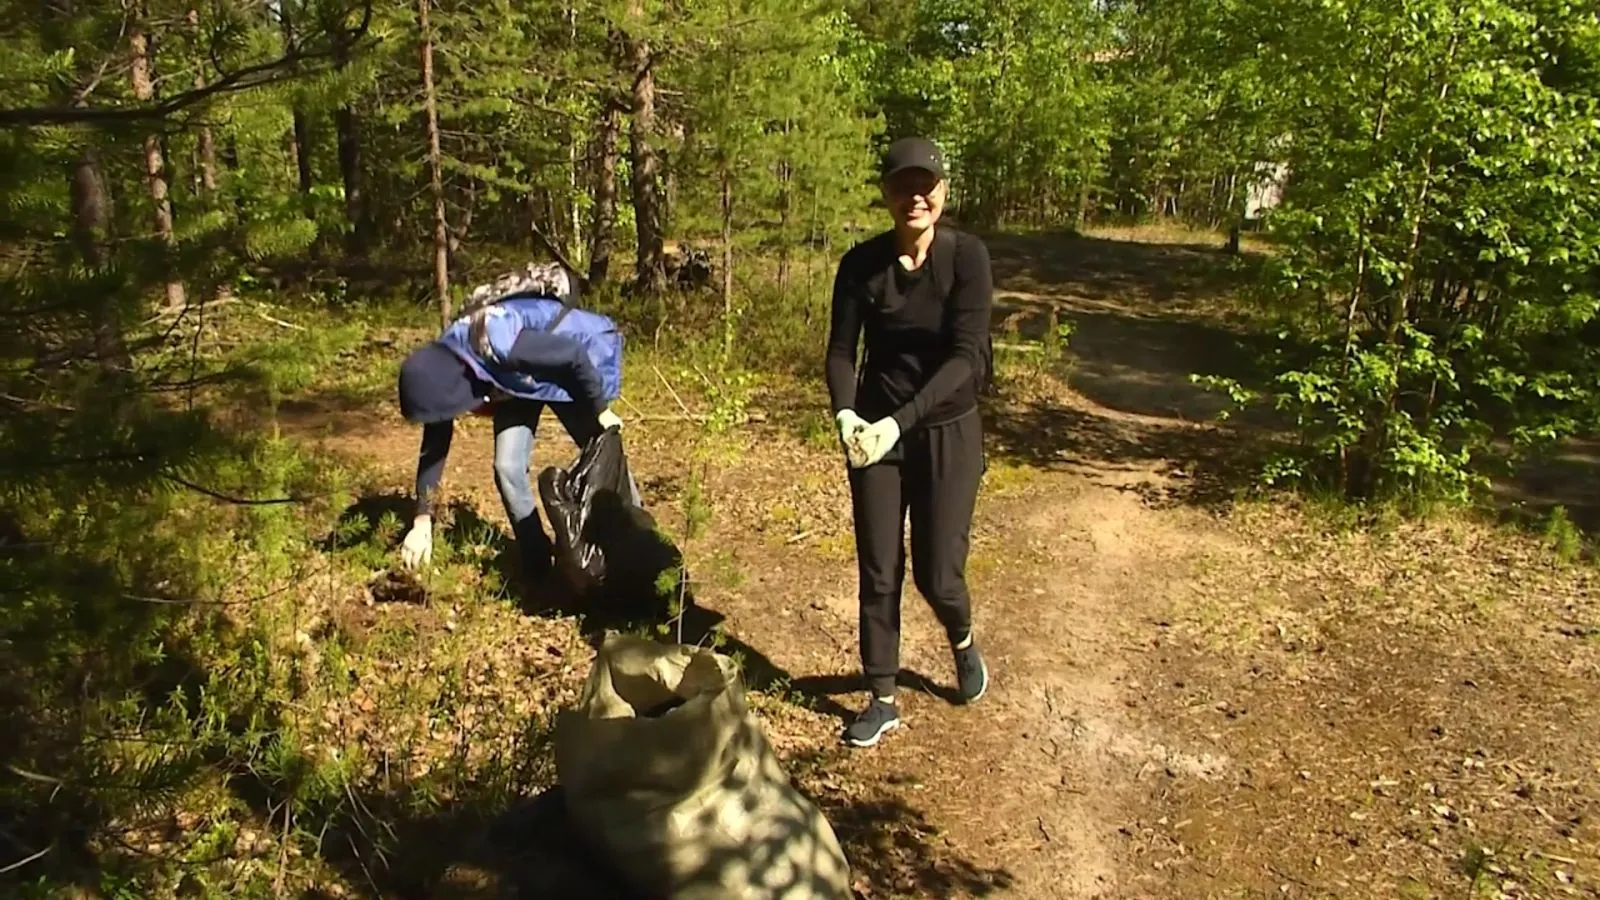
(1551, 534)
(209, 695)
(207, 691)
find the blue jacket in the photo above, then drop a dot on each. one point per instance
(506, 342)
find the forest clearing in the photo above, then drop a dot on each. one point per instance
(1194, 696)
(1284, 561)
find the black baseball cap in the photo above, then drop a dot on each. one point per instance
(913, 153)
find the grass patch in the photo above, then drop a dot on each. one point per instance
(1562, 536)
(1009, 479)
(840, 547)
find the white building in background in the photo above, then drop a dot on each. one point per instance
(1265, 191)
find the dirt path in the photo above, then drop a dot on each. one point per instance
(1096, 546)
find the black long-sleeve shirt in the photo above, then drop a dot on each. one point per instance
(553, 358)
(922, 349)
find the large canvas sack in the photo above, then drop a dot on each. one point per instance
(668, 774)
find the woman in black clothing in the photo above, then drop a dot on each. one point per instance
(908, 419)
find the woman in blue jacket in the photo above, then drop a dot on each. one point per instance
(509, 359)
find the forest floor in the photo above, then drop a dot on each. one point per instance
(1194, 695)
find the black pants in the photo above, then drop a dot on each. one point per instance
(935, 479)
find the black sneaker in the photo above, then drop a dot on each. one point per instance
(972, 673)
(878, 719)
(535, 552)
(538, 560)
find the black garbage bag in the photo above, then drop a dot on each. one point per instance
(608, 546)
(569, 497)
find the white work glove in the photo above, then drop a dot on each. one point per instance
(850, 425)
(876, 440)
(609, 418)
(417, 549)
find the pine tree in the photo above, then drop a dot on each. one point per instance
(430, 111)
(142, 75)
(768, 122)
(650, 274)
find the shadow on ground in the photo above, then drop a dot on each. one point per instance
(531, 850)
(478, 849)
(379, 518)
(1133, 362)
(821, 689)
(1135, 340)
(334, 413)
(895, 850)
(485, 847)
(1201, 466)
(1106, 270)
(374, 526)
(1567, 477)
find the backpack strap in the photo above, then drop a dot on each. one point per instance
(944, 260)
(566, 307)
(568, 300)
(944, 278)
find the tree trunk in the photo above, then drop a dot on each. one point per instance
(783, 248)
(727, 261)
(1234, 213)
(347, 129)
(207, 149)
(811, 238)
(171, 174)
(441, 232)
(89, 209)
(349, 138)
(669, 173)
(302, 159)
(650, 273)
(605, 196)
(574, 208)
(576, 244)
(230, 159)
(208, 157)
(464, 225)
(154, 169)
(301, 134)
(785, 210)
(91, 220)
(89, 217)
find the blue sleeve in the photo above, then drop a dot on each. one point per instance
(561, 361)
(430, 462)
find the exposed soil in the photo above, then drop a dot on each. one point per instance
(1191, 697)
